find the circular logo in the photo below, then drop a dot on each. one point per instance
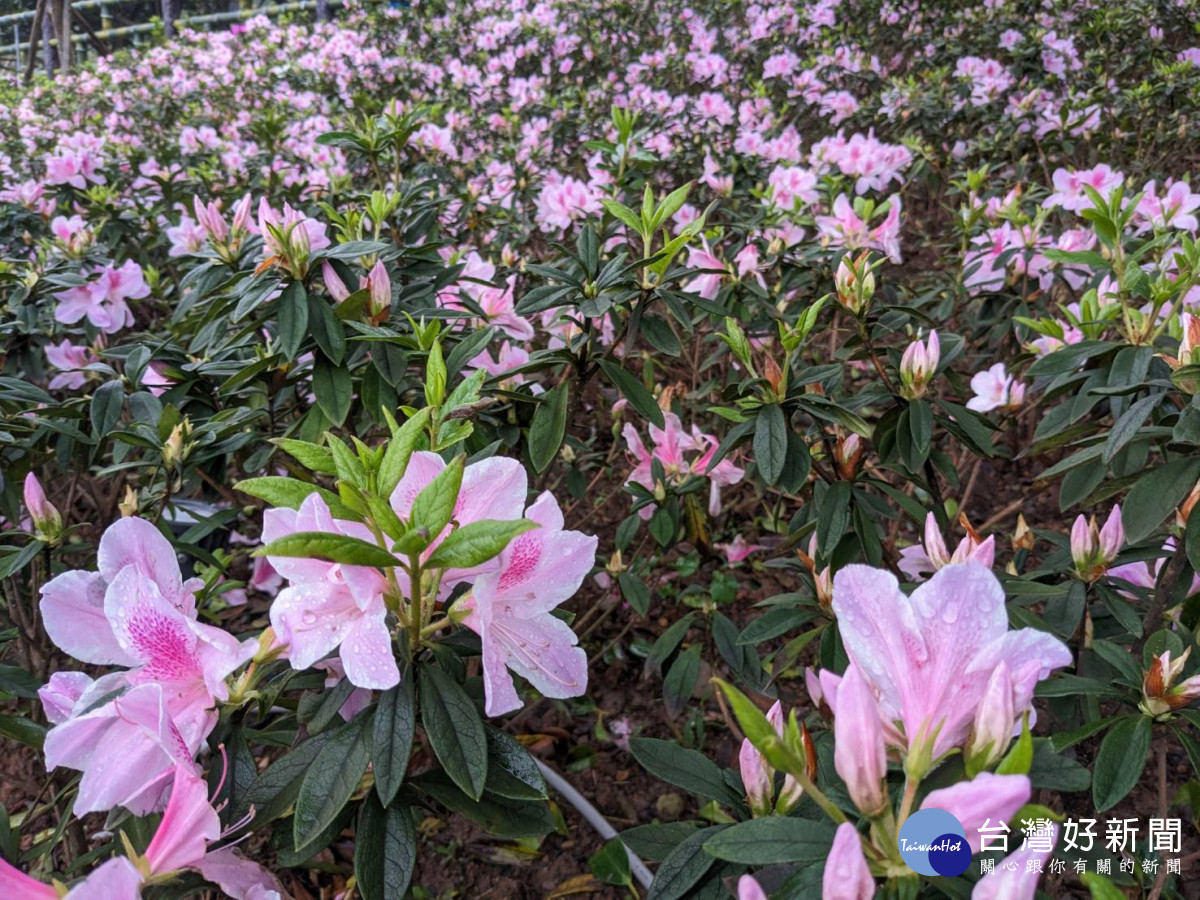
(933, 842)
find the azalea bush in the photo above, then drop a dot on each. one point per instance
(411, 424)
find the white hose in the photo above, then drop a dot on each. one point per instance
(593, 817)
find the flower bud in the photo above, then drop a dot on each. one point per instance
(176, 447)
(848, 453)
(758, 778)
(750, 889)
(860, 753)
(847, 876)
(994, 719)
(337, 289)
(47, 522)
(129, 505)
(855, 283)
(1093, 549)
(917, 366)
(379, 283)
(1022, 538)
(1160, 694)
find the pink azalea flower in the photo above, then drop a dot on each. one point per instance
(102, 300)
(671, 444)
(510, 609)
(707, 284)
(1068, 187)
(69, 359)
(137, 612)
(1176, 207)
(995, 389)
(329, 606)
(738, 549)
(181, 841)
(154, 378)
(928, 657)
(127, 750)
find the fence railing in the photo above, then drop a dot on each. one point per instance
(23, 51)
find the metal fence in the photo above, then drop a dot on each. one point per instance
(39, 34)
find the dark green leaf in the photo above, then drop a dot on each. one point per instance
(455, 730)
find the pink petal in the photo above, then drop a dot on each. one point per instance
(73, 612)
(367, 654)
(135, 542)
(187, 827)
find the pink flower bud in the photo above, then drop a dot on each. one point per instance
(758, 779)
(749, 889)
(337, 290)
(993, 721)
(1083, 548)
(935, 544)
(47, 521)
(380, 285)
(860, 754)
(1112, 535)
(847, 876)
(917, 366)
(241, 216)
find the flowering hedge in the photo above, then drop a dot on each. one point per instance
(364, 385)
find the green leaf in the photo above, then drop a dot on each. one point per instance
(634, 391)
(833, 517)
(105, 409)
(1020, 757)
(279, 490)
(334, 390)
(330, 781)
(1101, 888)
(512, 772)
(770, 442)
(684, 768)
(635, 592)
(476, 543)
(548, 427)
(434, 506)
(656, 841)
(23, 730)
(336, 548)
(275, 790)
(395, 724)
(16, 681)
(293, 319)
(1191, 541)
(313, 457)
(1126, 427)
(385, 850)
(499, 815)
(769, 841)
(611, 864)
(328, 332)
(1155, 495)
(1120, 761)
(399, 451)
(455, 731)
(681, 680)
(684, 866)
